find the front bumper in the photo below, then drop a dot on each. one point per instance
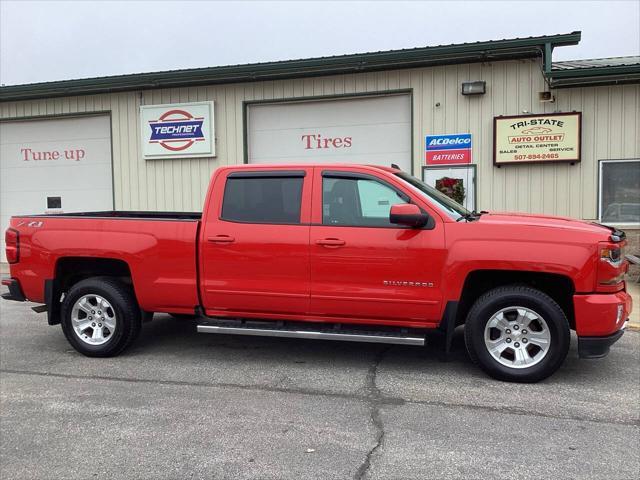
(597, 347)
(600, 321)
(15, 291)
(601, 314)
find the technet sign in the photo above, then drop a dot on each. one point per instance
(183, 130)
(448, 149)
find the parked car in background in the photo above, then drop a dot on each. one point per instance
(622, 212)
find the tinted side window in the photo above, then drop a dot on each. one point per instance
(262, 200)
(357, 202)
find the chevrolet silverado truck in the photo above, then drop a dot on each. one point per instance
(342, 252)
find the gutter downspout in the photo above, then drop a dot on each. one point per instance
(547, 54)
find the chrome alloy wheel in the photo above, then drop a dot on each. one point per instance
(517, 337)
(93, 319)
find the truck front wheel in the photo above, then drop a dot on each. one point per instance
(517, 333)
(100, 317)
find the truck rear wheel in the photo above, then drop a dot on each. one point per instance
(517, 333)
(100, 317)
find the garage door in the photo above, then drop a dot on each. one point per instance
(373, 130)
(55, 165)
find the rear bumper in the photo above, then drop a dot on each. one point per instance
(15, 291)
(597, 347)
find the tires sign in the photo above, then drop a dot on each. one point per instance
(183, 130)
(448, 149)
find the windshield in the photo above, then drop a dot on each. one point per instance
(440, 200)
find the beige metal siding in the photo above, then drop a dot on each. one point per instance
(611, 124)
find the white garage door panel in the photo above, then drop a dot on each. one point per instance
(18, 197)
(81, 174)
(374, 130)
(58, 129)
(364, 110)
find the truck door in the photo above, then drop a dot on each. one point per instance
(255, 243)
(364, 267)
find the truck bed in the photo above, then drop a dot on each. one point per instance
(124, 214)
(158, 248)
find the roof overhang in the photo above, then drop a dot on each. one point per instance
(585, 77)
(495, 50)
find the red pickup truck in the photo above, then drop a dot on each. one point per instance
(343, 252)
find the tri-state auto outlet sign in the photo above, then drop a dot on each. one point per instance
(542, 138)
(183, 130)
(448, 149)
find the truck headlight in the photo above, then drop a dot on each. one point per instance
(611, 266)
(613, 255)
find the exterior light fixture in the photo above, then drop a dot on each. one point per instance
(474, 88)
(546, 97)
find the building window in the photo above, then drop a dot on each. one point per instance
(263, 200)
(620, 191)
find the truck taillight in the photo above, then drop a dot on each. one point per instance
(12, 245)
(611, 265)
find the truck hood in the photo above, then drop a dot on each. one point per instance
(549, 221)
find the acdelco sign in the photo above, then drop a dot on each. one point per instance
(448, 149)
(178, 130)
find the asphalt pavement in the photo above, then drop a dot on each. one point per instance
(185, 405)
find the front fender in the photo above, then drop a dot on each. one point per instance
(575, 261)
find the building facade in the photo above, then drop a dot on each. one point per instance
(81, 144)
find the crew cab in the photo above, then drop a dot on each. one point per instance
(342, 252)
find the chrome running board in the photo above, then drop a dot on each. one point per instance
(278, 329)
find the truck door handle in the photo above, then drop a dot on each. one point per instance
(221, 239)
(330, 242)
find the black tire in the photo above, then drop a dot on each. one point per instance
(510, 296)
(125, 306)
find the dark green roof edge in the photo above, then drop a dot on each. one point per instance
(588, 72)
(507, 49)
(585, 77)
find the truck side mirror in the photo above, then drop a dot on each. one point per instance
(408, 214)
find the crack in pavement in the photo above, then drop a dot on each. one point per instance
(374, 398)
(184, 383)
(381, 400)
